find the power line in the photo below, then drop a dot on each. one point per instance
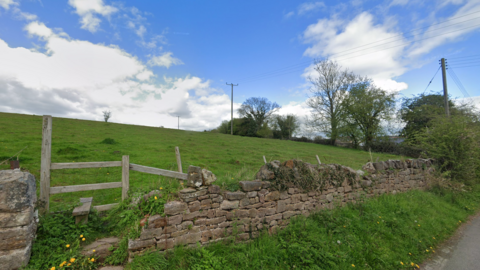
(432, 79)
(458, 82)
(466, 66)
(274, 74)
(467, 56)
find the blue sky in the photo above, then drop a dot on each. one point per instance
(149, 61)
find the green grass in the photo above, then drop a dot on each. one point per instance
(382, 233)
(230, 158)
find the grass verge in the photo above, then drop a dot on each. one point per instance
(389, 232)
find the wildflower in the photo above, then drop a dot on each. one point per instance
(93, 250)
(108, 173)
(460, 221)
(63, 263)
(401, 263)
(83, 239)
(68, 264)
(338, 242)
(72, 260)
(155, 197)
(53, 268)
(353, 265)
(92, 260)
(433, 237)
(379, 217)
(81, 235)
(417, 266)
(427, 250)
(412, 264)
(181, 183)
(433, 251)
(344, 226)
(378, 222)
(68, 245)
(161, 188)
(418, 225)
(410, 254)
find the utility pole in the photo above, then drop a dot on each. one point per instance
(231, 121)
(178, 121)
(445, 91)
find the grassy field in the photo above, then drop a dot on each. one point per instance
(231, 158)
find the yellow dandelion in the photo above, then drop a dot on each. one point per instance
(418, 225)
(83, 239)
(93, 250)
(69, 264)
(433, 251)
(92, 259)
(433, 237)
(353, 265)
(417, 266)
(108, 173)
(378, 222)
(155, 197)
(401, 263)
(81, 235)
(460, 221)
(53, 268)
(181, 183)
(72, 260)
(412, 264)
(427, 250)
(344, 226)
(410, 254)
(379, 216)
(161, 187)
(67, 245)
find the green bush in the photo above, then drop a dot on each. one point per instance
(455, 144)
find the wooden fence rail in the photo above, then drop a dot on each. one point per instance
(46, 166)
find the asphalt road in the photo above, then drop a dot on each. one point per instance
(461, 252)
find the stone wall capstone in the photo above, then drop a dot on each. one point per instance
(206, 214)
(17, 222)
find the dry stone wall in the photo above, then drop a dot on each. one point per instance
(205, 213)
(17, 221)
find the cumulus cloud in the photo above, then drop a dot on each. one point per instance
(164, 60)
(334, 38)
(79, 79)
(89, 10)
(310, 6)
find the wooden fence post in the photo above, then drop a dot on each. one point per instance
(179, 160)
(125, 176)
(264, 160)
(46, 161)
(318, 159)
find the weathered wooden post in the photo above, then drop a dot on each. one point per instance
(264, 160)
(46, 161)
(179, 160)
(125, 176)
(318, 159)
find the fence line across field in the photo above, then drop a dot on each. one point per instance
(47, 166)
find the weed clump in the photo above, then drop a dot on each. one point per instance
(109, 141)
(68, 151)
(305, 176)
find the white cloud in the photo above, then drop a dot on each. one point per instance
(88, 10)
(79, 79)
(310, 6)
(164, 60)
(7, 3)
(447, 32)
(23, 15)
(334, 38)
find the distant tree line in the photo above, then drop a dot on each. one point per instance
(350, 109)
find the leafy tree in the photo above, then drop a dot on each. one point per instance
(285, 126)
(258, 110)
(417, 112)
(365, 107)
(329, 88)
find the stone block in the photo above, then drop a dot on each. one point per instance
(227, 205)
(151, 233)
(15, 259)
(213, 189)
(15, 219)
(175, 220)
(102, 248)
(208, 177)
(244, 202)
(134, 245)
(272, 196)
(194, 177)
(17, 237)
(164, 244)
(237, 195)
(250, 185)
(17, 191)
(252, 194)
(175, 207)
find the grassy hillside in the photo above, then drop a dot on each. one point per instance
(231, 158)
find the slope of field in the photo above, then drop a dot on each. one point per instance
(231, 158)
